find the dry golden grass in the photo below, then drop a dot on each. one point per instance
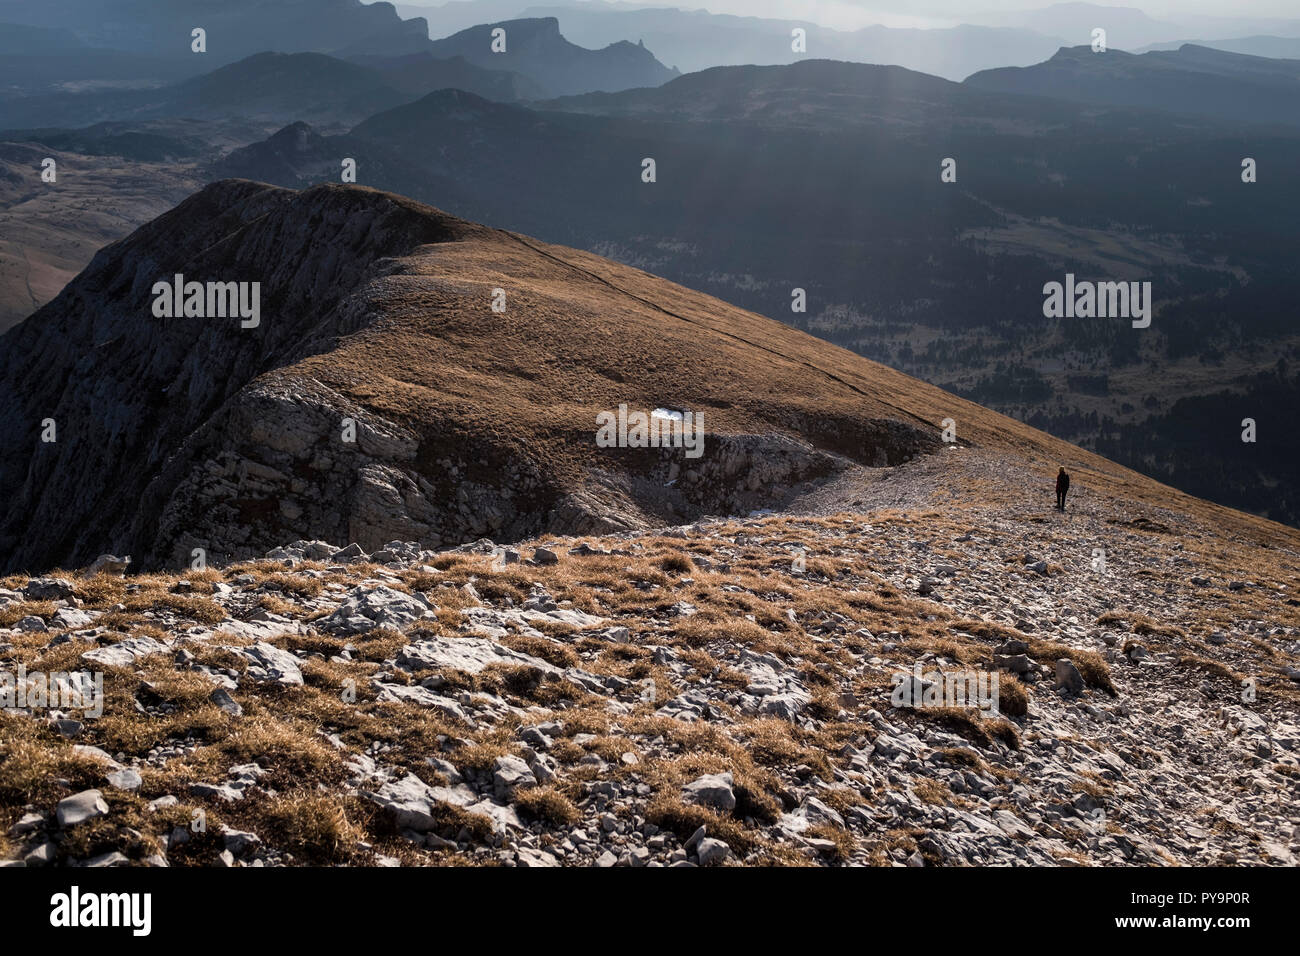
(969, 724)
(314, 827)
(1013, 699)
(1092, 666)
(1211, 667)
(34, 759)
(548, 804)
(934, 792)
(553, 652)
(668, 812)
(11, 614)
(296, 584)
(843, 841)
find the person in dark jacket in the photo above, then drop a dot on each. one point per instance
(1062, 486)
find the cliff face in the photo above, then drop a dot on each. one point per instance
(537, 49)
(379, 396)
(128, 393)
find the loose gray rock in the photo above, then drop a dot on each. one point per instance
(125, 779)
(411, 802)
(509, 774)
(43, 855)
(221, 697)
(49, 589)
(710, 851)
(80, 807)
(1015, 663)
(711, 790)
(269, 664)
(1068, 676)
(125, 652)
(373, 607)
(108, 564)
(239, 842)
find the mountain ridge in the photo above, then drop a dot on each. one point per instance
(252, 456)
(1194, 80)
(537, 49)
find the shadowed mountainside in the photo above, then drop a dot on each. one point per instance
(193, 432)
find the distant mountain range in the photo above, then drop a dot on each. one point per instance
(1282, 48)
(1129, 28)
(265, 87)
(535, 48)
(287, 87)
(1194, 80)
(43, 59)
(235, 28)
(820, 94)
(694, 40)
(419, 73)
(147, 42)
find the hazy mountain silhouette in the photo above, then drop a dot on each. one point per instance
(304, 85)
(1192, 79)
(39, 58)
(276, 88)
(1278, 48)
(814, 93)
(536, 49)
(694, 40)
(1126, 27)
(235, 28)
(1129, 28)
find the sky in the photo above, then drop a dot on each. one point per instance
(852, 14)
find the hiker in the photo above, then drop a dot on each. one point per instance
(1062, 486)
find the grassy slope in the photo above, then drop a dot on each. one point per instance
(581, 334)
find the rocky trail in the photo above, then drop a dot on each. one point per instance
(717, 693)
